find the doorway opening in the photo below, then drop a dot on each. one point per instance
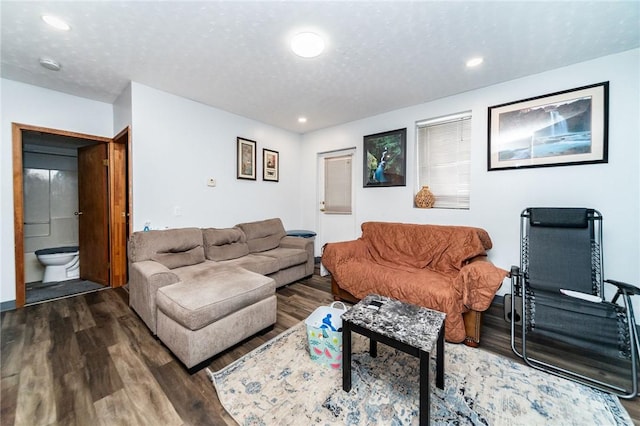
(72, 206)
(336, 218)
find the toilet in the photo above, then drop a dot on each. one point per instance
(61, 263)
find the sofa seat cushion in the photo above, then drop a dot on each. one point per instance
(264, 265)
(421, 287)
(220, 292)
(195, 272)
(287, 257)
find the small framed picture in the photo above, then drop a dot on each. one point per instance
(270, 165)
(246, 159)
(385, 159)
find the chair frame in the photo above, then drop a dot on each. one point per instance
(624, 290)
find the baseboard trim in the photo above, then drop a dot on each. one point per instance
(9, 305)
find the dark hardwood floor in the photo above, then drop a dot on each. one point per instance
(89, 360)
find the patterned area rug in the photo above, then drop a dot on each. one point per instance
(278, 383)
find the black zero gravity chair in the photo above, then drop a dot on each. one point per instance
(559, 294)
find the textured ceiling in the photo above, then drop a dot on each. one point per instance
(234, 55)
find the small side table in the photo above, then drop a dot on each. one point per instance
(406, 327)
(302, 233)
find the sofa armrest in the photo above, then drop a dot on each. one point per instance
(303, 244)
(477, 283)
(145, 278)
(296, 242)
(334, 254)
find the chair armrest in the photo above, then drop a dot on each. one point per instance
(477, 284)
(514, 272)
(623, 289)
(516, 280)
(630, 289)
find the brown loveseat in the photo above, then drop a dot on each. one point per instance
(440, 267)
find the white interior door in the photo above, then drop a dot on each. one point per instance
(335, 224)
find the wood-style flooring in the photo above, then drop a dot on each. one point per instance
(89, 360)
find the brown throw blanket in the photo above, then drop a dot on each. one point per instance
(439, 267)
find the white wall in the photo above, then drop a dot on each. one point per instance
(26, 104)
(178, 144)
(122, 114)
(498, 197)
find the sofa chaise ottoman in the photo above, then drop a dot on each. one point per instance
(203, 290)
(204, 317)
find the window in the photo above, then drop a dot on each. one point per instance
(337, 184)
(444, 159)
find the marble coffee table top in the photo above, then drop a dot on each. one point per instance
(410, 324)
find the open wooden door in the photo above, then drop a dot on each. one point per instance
(93, 214)
(105, 203)
(119, 212)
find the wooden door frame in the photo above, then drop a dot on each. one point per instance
(18, 192)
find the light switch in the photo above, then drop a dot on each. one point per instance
(211, 182)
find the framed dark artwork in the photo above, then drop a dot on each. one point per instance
(246, 159)
(559, 129)
(270, 165)
(385, 159)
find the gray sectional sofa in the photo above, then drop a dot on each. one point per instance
(203, 290)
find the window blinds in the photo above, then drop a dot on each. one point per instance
(444, 159)
(337, 184)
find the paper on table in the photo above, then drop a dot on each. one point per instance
(583, 296)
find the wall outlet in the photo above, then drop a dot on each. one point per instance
(177, 211)
(518, 308)
(211, 182)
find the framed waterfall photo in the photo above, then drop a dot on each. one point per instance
(246, 157)
(559, 129)
(385, 159)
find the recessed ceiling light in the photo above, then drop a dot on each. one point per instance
(56, 22)
(474, 62)
(302, 119)
(307, 45)
(50, 64)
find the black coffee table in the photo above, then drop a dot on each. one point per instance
(406, 327)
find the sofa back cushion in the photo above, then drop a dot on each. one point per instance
(171, 247)
(264, 234)
(224, 244)
(439, 247)
(179, 259)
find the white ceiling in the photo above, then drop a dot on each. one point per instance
(234, 55)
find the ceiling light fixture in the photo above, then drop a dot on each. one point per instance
(474, 62)
(50, 64)
(56, 22)
(307, 45)
(302, 119)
